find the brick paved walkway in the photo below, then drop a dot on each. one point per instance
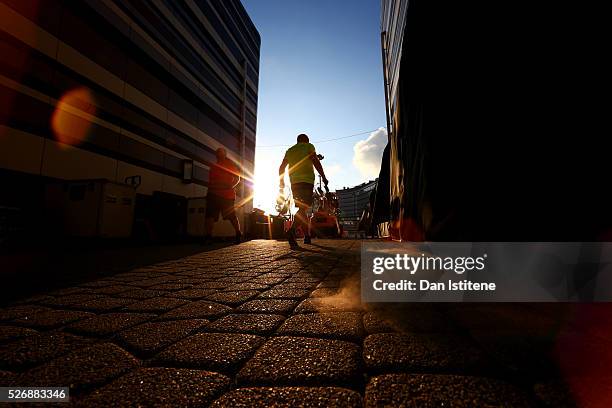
(260, 325)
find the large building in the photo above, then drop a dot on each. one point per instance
(494, 122)
(109, 89)
(352, 202)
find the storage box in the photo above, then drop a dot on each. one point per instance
(92, 208)
(196, 208)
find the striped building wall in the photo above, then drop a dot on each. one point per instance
(167, 81)
(392, 24)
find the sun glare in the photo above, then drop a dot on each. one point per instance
(266, 181)
(70, 121)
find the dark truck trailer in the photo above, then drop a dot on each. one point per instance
(496, 130)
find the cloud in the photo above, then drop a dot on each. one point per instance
(333, 169)
(367, 154)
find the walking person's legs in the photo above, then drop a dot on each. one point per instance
(210, 216)
(236, 224)
(229, 214)
(302, 195)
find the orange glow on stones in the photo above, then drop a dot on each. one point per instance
(71, 119)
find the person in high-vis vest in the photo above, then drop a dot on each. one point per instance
(302, 160)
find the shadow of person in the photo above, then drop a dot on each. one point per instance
(327, 248)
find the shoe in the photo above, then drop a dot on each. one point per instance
(291, 238)
(307, 240)
(238, 238)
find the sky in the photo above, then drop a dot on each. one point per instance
(320, 74)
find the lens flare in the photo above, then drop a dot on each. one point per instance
(71, 120)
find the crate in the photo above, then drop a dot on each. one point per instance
(196, 209)
(92, 208)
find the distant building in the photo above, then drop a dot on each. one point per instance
(159, 85)
(352, 201)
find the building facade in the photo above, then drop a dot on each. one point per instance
(352, 201)
(105, 89)
(393, 22)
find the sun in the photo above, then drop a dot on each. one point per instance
(266, 181)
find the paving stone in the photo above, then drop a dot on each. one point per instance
(246, 274)
(302, 361)
(112, 290)
(329, 284)
(34, 300)
(268, 306)
(432, 390)
(106, 304)
(156, 305)
(171, 286)
(246, 286)
(276, 293)
(341, 325)
(52, 319)
(246, 323)
(197, 309)
(11, 333)
(70, 300)
(38, 348)
(233, 298)
(279, 274)
(107, 324)
(199, 276)
(98, 284)
(411, 351)
(313, 281)
(160, 387)
(267, 281)
(301, 285)
(228, 280)
(212, 351)
(196, 282)
(131, 277)
(211, 285)
(149, 338)
(145, 282)
(142, 294)
(70, 291)
(81, 369)
(314, 305)
(374, 323)
(289, 397)
(16, 312)
(192, 294)
(324, 292)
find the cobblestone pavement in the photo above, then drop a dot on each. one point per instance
(260, 325)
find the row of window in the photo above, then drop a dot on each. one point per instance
(184, 53)
(83, 28)
(46, 75)
(210, 14)
(173, 42)
(33, 116)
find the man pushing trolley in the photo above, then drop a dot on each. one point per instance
(302, 160)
